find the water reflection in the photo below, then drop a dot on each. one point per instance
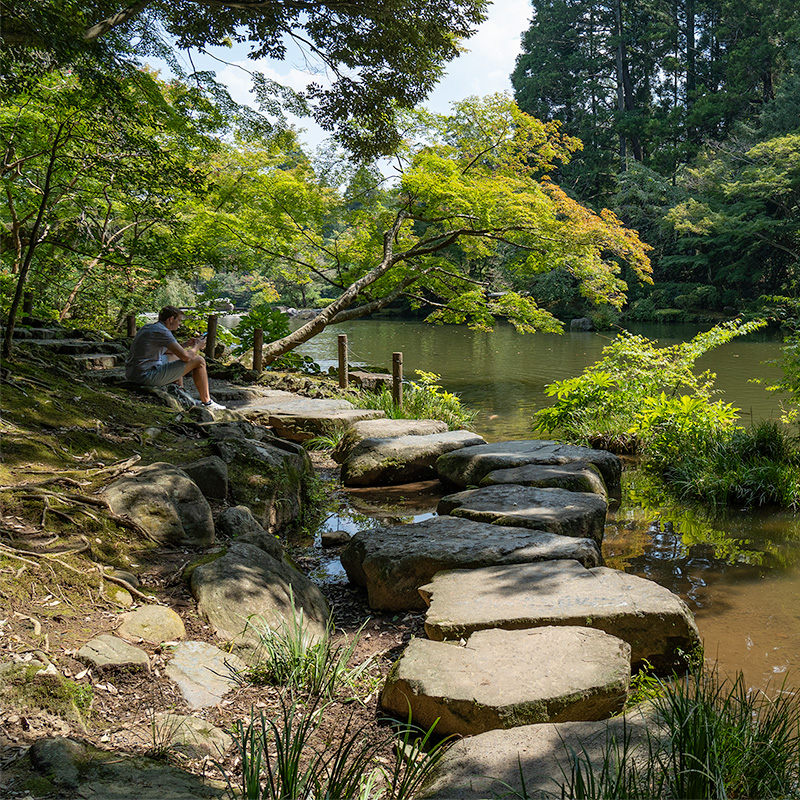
(739, 572)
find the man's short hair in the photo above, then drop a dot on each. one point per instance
(167, 312)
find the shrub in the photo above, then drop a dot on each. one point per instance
(424, 399)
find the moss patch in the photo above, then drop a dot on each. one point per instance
(26, 687)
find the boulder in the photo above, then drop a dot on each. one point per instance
(393, 562)
(370, 381)
(211, 476)
(204, 673)
(384, 429)
(166, 502)
(555, 510)
(106, 651)
(154, 624)
(334, 538)
(656, 623)
(377, 462)
(247, 583)
(577, 477)
(268, 477)
(503, 679)
(238, 523)
(539, 758)
(468, 467)
(581, 324)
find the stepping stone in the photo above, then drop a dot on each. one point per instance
(300, 418)
(470, 466)
(378, 462)
(190, 735)
(577, 477)
(555, 510)
(496, 763)
(154, 624)
(503, 679)
(656, 623)
(384, 429)
(97, 361)
(107, 651)
(393, 562)
(204, 673)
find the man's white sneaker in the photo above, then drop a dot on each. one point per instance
(212, 405)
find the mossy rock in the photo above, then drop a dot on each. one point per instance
(26, 686)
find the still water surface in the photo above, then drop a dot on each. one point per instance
(739, 573)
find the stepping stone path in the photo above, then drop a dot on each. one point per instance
(656, 623)
(503, 679)
(377, 462)
(154, 624)
(393, 562)
(577, 477)
(111, 652)
(468, 467)
(204, 673)
(555, 510)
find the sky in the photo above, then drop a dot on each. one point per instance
(484, 69)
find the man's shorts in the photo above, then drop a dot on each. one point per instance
(162, 374)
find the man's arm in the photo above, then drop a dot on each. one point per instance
(187, 351)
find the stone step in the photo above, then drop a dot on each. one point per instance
(79, 346)
(392, 562)
(656, 623)
(401, 459)
(556, 510)
(470, 466)
(504, 679)
(537, 757)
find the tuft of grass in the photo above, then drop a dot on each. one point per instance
(721, 740)
(289, 757)
(289, 655)
(326, 441)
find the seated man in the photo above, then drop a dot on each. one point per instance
(156, 358)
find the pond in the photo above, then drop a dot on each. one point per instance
(739, 572)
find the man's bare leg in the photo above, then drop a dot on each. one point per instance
(197, 366)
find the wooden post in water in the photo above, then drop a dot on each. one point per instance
(258, 349)
(397, 379)
(344, 377)
(130, 324)
(211, 340)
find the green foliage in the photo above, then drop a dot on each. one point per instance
(639, 393)
(423, 399)
(273, 321)
(722, 740)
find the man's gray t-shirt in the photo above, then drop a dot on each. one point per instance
(147, 350)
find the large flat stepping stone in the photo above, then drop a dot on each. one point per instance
(555, 510)
(503, 679)
(191, 736)
(470, 466)
(111, 652)
(384, 429)
(577, 477)
(154, 624)
(656, 623)
(246, 590)
(204, 673)
(403, 459)
(495, 764)
(393, 562)
(299, 418)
